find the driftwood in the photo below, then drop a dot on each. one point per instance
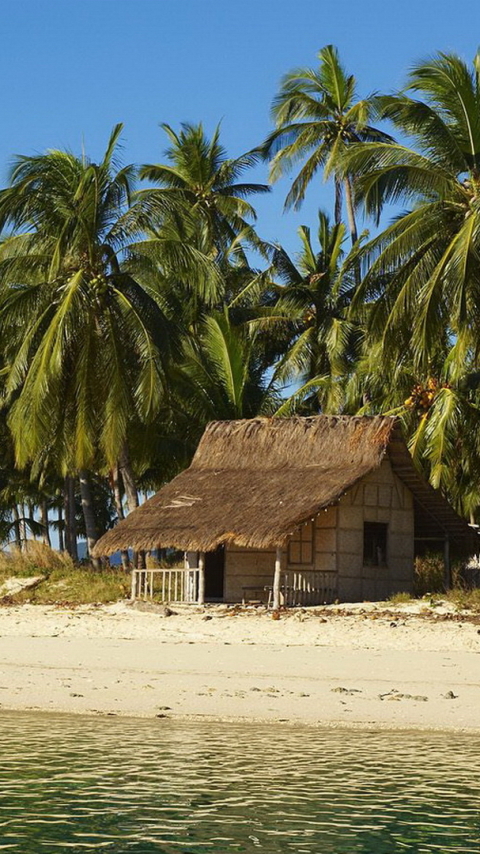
(16, 585)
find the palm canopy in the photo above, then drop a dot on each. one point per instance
(317, 115)
(310, 314)
(84, 344)
(428, 257)
(222, 376)
(200, 177)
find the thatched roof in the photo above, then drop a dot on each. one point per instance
(251, 483)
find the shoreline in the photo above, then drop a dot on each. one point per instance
(349, 726)
(371, 670)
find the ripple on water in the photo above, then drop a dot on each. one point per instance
(80, 784)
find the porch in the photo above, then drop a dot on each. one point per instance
(188, 585)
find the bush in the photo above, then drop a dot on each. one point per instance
(429, 574)
(35, 559)
(64, 582)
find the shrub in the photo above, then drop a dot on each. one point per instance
(35, 559)
(64, 581)
(429, 574)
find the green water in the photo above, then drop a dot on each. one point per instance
(143, 786)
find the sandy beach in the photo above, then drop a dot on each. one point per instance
(365, 666)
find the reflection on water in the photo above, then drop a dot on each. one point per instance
(79, 784)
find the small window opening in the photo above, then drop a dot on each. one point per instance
(300, 546)
(374, 543)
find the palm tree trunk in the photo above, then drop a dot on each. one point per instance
(89, 516)
(31, 517)
(338, 201)
(132, 496)
(16, 526)
(350, 210)
(44, 523)
(23, 528)
(352, 226)
(117, 493)
(70, 523)
(61, 531)
(66, 515)
(128, 478)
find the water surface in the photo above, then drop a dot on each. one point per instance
(143, 786)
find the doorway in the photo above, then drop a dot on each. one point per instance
(214, 574)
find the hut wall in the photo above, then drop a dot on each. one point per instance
(379, 497)
(338, 545)
(248, 568)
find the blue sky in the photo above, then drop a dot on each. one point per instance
(71, 69)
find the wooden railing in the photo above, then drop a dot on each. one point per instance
(308, 587)
(166, 585)
(298, 586)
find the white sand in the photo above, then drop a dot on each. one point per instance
(310, 667)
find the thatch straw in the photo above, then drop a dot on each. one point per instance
(251, 483)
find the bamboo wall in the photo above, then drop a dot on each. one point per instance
(338, 545)
(380, 497)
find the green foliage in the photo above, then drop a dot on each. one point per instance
(399, 598)
(84, 343)
(200, 178)
(464, 599)
(129, 319)
(426, 262)
(317, 117)
(34, 559)
(64, 583)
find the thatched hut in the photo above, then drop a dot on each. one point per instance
(294, 510)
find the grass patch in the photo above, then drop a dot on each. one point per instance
(65, 582)
(464, 599)
(36, 559)
(400, 598)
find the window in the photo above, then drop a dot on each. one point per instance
(374, 543)
(300, 547)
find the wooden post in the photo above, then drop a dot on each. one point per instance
(446, 561)
(277, 578)
(201, 578)
(133, 594)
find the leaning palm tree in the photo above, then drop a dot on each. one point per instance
(84, 343)
(317, 116)
(199, 176)
(427, 259)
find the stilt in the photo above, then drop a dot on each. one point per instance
(277, 578)
(201, 578)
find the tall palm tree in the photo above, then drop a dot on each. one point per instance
(84, 343)
(310, 316)
(427, 259)
(317, 116)
(200, 177)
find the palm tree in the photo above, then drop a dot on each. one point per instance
(222, 375)
(84, 343)
(310, 316)
(427, 259)
(201, 178)
(317, 117)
